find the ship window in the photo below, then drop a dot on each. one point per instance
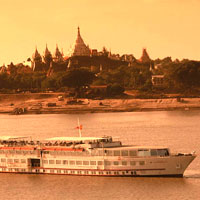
(132, 163)
(45, 161)
(72, 162)
(124, 162)
(10, 161)
(107, 162)
(51, 161)
(143, 152)
(116, 163)
(92, 162)
(154, 152)
(141, 163)
(132, 153)
(46, 152)
(109, 152)
(18, 152)
(58, 171)
(51, 170)
(3, 160)
(163, 152)
(12, 151)
(68, 153)
(101, 153)
(16, 160)
(62, 153)
(124, 153)
(116, 153)
(94, 153)
(78, 162)
(85, 162)
(23, 160)
(32, 152)
(65, 162)
(100, 162)
(58, 162)
(24, 152)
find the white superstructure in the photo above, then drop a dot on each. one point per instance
(99, 156)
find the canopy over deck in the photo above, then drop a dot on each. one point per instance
(4, 138)
(76, 139)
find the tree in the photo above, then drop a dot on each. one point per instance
(4, 81)
(49, 83)
(114, 89)
(77, 78)
(184, 75)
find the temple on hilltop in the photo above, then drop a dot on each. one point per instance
(79, 48)
(80, 55)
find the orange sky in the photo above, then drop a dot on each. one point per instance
(164, 27)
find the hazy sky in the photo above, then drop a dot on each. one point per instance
(164, 27)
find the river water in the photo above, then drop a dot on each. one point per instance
(179, 130)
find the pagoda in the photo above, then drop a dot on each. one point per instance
(145, 57)
(79, 48)
(47, 56)
(36, 60)
(58, 56)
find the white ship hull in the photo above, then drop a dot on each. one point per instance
(169, 166)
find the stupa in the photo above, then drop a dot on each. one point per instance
(79, 48)
(145, 57)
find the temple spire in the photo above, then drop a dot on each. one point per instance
(145, 56)
(79, 32)
(79, 48)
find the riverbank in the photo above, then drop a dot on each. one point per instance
(42, 103)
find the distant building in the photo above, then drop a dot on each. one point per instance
(47, 58)
(58, 56)
(94, 52)
(3, 69)
(145, 57)
(79, 48)
(128, 58)
(157, 80)
(36, 61)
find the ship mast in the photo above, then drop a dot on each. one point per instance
(79, 128)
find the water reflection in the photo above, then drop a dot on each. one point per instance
(179, 130)
(79, 187)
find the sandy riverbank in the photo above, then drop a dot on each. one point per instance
(38, 103)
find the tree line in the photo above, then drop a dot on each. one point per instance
(179, 76)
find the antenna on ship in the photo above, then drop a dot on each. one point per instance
(79, 127)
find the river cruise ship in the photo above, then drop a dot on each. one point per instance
(93, 156)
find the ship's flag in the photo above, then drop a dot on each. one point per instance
(79, 127)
